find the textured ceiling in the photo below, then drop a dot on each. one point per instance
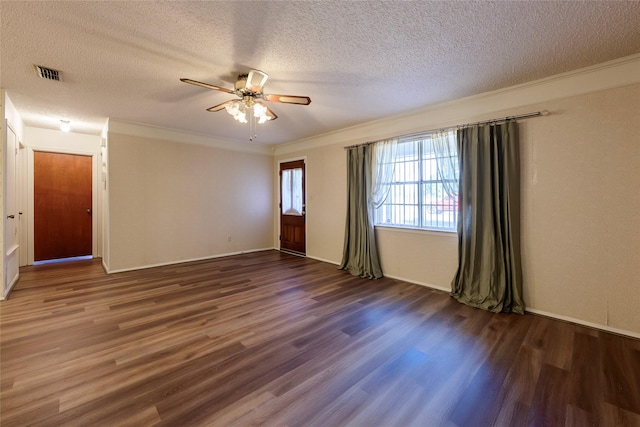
(358, 61)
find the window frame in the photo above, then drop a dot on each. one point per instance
(423, 180)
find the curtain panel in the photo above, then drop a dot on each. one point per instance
(383, 168)
(360, 255)
(444, 145)
(489, 274)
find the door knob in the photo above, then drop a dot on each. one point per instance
(89, 211)
(10, 216)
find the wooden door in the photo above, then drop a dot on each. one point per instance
(62, 205)
(292, 207)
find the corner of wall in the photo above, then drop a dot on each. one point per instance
(2, 149)
(103, 189)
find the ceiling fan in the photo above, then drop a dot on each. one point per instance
(249, 88)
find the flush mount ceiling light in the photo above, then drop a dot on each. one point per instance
(248, 109)
(65, 125)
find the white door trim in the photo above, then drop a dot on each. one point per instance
(94, 196)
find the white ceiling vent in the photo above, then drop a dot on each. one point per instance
(48, 73)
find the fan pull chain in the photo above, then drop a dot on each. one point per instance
(253, 134)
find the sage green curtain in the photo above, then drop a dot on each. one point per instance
(360, 256)
(489, 274)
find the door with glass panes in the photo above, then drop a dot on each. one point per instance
(292, 207)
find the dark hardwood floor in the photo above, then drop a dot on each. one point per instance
(273, 339)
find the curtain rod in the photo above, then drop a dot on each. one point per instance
(483, 122)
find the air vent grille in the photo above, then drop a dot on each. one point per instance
(48, 73)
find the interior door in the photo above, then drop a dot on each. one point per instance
(292, 207)
(11, 222)
(62, 192)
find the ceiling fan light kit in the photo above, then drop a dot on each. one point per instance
(248, 109)
(239, 110)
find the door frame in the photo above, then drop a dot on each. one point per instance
(277, 198)
(11, 254)
(30, 196)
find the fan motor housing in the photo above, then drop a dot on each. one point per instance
(241, 83)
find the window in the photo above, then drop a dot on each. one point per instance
(423, 190)
(292, 191)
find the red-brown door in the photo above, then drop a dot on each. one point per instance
(292, 207)
(62, 205)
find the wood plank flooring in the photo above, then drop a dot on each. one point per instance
(273, 339)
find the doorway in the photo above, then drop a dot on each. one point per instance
(292, 207)
(62, 214)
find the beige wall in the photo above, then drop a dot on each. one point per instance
(580, 169)
(171, 202)
(581, 208)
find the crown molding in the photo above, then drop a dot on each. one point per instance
(607, 75)
(179, 136)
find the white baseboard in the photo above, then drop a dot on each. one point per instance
(323, 260)
(181, 261)
(104, 267)
(13, 282)
(584, 323)
(540, 312)
(426, 285)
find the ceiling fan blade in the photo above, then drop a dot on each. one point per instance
(256, 80)
(221, 106)
(288, 99)
(207, 85)
(270, 113)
